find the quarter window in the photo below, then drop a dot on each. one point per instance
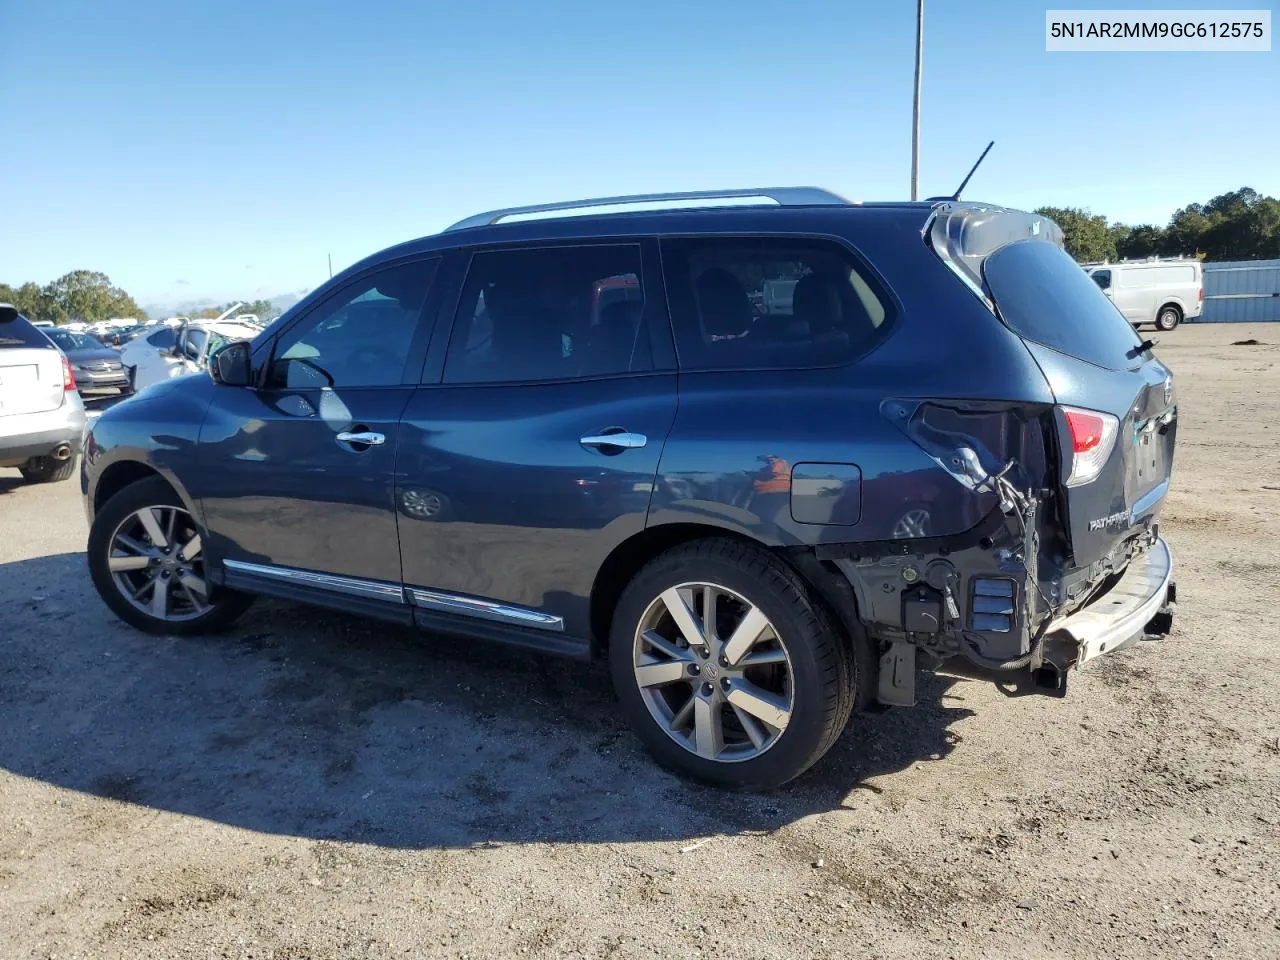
(760, 302)
(360, 336)
(557, 313)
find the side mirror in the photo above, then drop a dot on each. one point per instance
(230, 365)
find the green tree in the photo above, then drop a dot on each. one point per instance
(1241, 225)
(32, 302)
(263, 309)
(1140, 242)
(1087, 237)
(1238, 225)
(1186, 230)
(90, 296)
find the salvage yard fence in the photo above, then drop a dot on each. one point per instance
(1241, 291)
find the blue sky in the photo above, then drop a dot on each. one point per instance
(203, 150)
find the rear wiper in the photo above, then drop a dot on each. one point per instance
(1141, 348)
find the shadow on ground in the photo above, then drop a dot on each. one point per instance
(308, 723)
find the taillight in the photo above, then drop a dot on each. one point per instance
(68, 378)
(1200, 294)
(1093, 437)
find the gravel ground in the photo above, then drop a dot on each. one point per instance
(314, 786)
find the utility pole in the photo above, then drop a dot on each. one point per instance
(915, 104)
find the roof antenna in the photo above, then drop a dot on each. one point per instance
(965, 182)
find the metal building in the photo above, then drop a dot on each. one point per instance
(1240, 291)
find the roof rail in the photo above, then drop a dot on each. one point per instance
(782, 196)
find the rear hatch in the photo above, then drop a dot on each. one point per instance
(31, 368)
(1116, 407)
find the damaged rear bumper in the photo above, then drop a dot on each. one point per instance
(957, 592)
(1121, 615)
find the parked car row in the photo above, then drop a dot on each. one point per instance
(172, 352)
(45, 370)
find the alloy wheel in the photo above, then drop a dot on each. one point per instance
(713, 672)
(156, 563)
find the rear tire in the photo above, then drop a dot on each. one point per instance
(686, 699)
(130, 565)
(47, 469)
(1168, 318)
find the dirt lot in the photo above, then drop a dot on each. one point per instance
(312, 786)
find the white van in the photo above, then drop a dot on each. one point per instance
(1160, 292)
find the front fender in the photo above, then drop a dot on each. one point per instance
(157, 430)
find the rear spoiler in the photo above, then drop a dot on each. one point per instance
(965, 234)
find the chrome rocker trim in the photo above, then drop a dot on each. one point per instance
(484, 609)
(437, 600)
(353, 586)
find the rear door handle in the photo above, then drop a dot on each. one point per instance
(365, 437)
(622, 439)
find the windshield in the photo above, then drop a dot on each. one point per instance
(72, 341)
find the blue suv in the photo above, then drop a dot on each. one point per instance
(770, 457)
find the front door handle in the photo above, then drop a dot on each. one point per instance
(363, 437)
(621, 439)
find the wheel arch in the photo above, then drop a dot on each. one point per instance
(626, 559)
(124, 473)
(828, 585)
(1174, 302)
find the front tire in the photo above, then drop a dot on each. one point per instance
(748, 696)
(1168, 318)
(146, 560)
(47, 469)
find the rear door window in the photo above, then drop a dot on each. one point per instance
(1043, 295)
(551, 313)
(742, 303)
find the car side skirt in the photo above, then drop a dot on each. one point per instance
(429, 609)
